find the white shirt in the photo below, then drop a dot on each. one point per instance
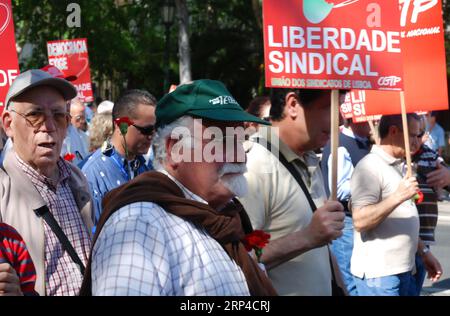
(144, 250)
(344, 169)
(276, 204)
(390, 247)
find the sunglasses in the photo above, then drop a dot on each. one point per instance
(145, 130)
(420, 135)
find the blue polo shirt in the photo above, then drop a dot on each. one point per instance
(105, 170)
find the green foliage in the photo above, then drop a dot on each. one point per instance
(125, 42)
(227, 45)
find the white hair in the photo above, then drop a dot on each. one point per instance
(162, 134)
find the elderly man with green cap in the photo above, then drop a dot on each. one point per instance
(179, 230)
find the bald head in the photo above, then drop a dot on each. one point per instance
(77, 111)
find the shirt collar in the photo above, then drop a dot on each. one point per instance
(348, 132)
(135, 164)
(309, 158)
(187, 193)
(63, 168)
(377, 150)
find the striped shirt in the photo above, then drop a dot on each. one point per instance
(426, 159)
(14, 251)
(62, 275)
(144, 250)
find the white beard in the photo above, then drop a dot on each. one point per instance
(232, 177)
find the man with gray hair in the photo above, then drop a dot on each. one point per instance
(76, 144)
(179, 230)
(42, 196)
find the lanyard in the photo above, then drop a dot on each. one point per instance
(126, 173)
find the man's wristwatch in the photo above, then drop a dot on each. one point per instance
(425, 250)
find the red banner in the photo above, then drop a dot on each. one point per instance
(71, 56)
(9, 65)
(325, 44)
(425, 75)
(354, 107)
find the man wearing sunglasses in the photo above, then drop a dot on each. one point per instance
(36, 183)
(108, 167)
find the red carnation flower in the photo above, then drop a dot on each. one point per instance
(256, 240)
(123, 123)
(69, 157)
(418, 198)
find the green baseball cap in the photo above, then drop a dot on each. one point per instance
(207, 99)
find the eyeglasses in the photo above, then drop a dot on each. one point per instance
(37, 118)
(80, 118)
(145, 130)
(227, 141)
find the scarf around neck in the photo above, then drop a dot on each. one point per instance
(228, 227)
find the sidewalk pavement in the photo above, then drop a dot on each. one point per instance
(441, 251)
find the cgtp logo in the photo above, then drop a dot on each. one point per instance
(316, 11)
(390, 81)
(5, 17)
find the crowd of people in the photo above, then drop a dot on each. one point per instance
(167, 197)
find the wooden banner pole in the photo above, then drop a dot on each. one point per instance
(406, 134)
(334, 141)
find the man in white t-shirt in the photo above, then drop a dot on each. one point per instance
(297, 258)
(385, 216)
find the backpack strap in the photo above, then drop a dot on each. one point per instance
(298, 178)
(45, 213)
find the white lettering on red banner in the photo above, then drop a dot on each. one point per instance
(332, 44)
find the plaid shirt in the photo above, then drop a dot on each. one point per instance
(62, 275)
(143, 250)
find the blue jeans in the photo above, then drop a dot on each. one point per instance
(342, 249)
(391, 285)
(418, 278)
